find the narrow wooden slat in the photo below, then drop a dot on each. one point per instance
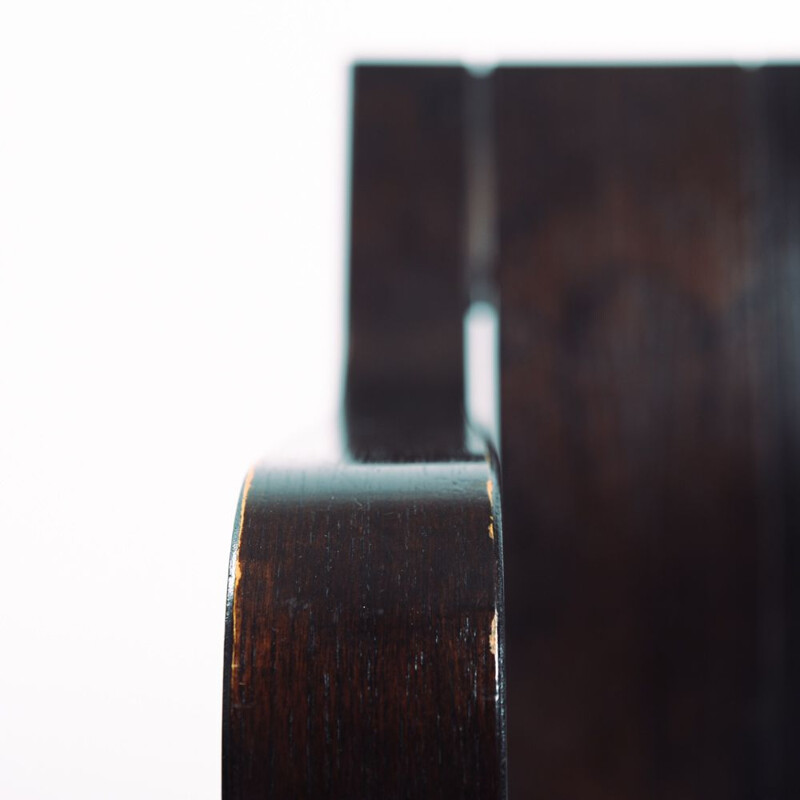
(405, 385)
(775, 169)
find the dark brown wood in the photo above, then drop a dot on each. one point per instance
(362, 640)
(648, 268)
(649, 224)
(776, 245)
(405, 385)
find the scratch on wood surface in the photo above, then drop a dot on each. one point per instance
(237, 612)
(493, 646)
(490, 493)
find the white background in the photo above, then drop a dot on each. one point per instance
(172, 184)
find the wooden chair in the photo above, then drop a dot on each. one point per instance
(637, 230)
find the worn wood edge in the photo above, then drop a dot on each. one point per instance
(496, 640)
(233, 565)
(496, 520)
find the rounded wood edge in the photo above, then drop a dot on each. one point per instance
(277, 507)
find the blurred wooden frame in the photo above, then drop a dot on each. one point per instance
(638, 230)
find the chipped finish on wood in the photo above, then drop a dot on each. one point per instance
(362, 636)
(648, 232)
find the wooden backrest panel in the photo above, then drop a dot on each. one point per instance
(649, 384)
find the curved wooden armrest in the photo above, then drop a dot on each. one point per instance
(364, 634)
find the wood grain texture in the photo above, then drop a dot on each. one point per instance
(364, 647)
(362, 641)
(648, 232)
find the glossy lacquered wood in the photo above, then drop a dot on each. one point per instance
(641, 227)
(363, 653)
